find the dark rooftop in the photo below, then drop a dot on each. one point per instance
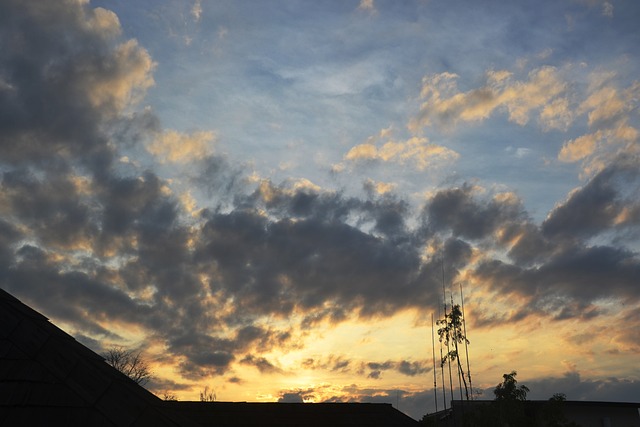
(227, 414)
(48, 378)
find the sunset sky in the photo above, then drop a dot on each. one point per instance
(262, 195)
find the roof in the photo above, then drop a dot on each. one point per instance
(581, 403)
(240, 414)
(542, 412)
(48, 378)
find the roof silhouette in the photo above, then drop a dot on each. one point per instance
(49, 378)
(241, 414)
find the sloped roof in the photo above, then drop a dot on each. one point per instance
(240, 414)
(48, 378)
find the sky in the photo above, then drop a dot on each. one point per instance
(268, 198)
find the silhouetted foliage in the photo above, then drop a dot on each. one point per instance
(451, 332)
(168, 396)
(207, 395)
(509, 402)
(509, 390)
(509, 409)
(128, 362)
(553, 414)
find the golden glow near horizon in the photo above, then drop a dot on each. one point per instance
(266, 199)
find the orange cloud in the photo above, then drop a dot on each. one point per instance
(542, 90)
(415, 150)
(178, 147)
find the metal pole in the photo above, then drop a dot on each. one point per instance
(466, 346)
(455, 341)
(435, 376)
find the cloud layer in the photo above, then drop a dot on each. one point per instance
(219, 271)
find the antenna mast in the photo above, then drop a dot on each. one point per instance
(455, 340)
(466, 344)
(435, 376)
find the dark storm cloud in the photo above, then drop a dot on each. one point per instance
(277, 265)
(50, 207)
(8, 236)
(404, 367)
(262, 364)
(457, 210)
(56, 71)
(70, 295)
(608, 201)
(532, 247)
(295, 397)
(331, 363)
(566, 284)
(65, 80)
(374, 370)
(219, 179)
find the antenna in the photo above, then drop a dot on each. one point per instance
(435, 376)
(466, 344)
(455, 342)
(444, 390)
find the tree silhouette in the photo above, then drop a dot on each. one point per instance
(128, 362)
(169, 396)
(510, 402)
(509, 409)
(207, 395)
(509, 390)
(451, 332)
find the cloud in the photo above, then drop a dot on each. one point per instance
(444, 106)
(369, 369)
(332, 363)
(577, 388)
(177, 147)
(261, 363)
(296, 397)
(457, 209)
(606, 202)
(415, 150)
(412, 402)
(557, 115)
(579, 148)
(64, 81)
(606, 105)
(372, 187)
(196, 10)
(608, 115)
(367, 6)
(605, 5)
(117, 252)
(568, 278)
